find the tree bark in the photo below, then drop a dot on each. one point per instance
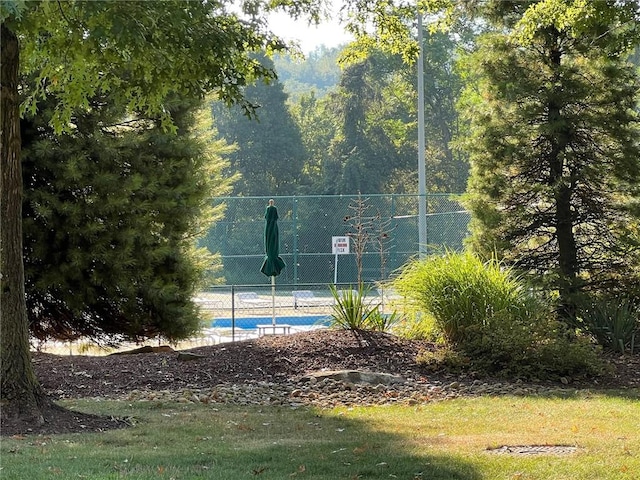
(563, 198)
(21, 395)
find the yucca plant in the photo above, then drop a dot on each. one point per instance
(383, 322)
(350, 309)
(613, 323)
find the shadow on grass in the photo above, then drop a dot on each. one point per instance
(349, 448)
(223, 442)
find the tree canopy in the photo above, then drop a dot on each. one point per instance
(554, 143)
(77, 50)
(270, 154)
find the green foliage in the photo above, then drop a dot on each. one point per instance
(485, 314)
(613, 322)
(318, 126)
(353, 311)
(535, 346)
(350, 309)
(384, 322)
(417, 326)
(444, 357)
(111, 216)
(459, 291)
(270, 153)
(11, 9)
(388, 26)
(318, 74)
(553, 143)
(362, 136)
(171, 46)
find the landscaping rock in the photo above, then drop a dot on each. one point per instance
(356, 376)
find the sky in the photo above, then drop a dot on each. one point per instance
(328, 33)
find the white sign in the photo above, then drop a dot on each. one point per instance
(340, 245)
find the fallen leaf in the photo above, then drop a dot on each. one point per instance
(258, 470)
(301, 469)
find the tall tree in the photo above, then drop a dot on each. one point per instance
(554, 141)
(366, 151)
(112, 211)
(318, 126)
(78, 49)
(270, 153)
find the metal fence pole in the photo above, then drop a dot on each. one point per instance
(233, 313)
(294, 228)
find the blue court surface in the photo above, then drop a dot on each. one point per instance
(252, 322)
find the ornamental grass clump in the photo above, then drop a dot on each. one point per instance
(459, 291)
(485, 313)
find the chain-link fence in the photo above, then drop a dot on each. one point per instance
(385, 226)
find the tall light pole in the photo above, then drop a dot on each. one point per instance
(422, 184)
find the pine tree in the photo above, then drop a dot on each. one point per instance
(111, 215)
(554, 150)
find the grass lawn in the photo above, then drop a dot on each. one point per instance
(444, 440)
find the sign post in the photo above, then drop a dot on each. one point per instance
(339, 246)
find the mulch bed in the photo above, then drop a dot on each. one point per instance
(270, 358)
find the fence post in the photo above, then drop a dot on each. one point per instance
(294, 228)
(394, 244)
(233, 313)
(426, 225)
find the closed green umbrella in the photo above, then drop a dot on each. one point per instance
(272, 264)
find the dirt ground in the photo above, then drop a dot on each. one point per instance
(270, 358)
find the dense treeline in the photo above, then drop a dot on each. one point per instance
(530, 109)
(350, 129)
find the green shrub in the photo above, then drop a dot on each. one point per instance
(486, 314)
(534, 347)
(383, 322)
(459, 291)
(613, 322)
(446, 357)
(351, 311)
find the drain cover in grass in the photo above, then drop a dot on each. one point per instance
(534, 449)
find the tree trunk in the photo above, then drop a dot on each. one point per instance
(21, 396)
(563, 192)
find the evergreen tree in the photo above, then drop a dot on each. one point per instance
(111, 215)
(319, 72)
(270, 154)
(554, 143)
(78, 50)
(318, 126)
(363, 157)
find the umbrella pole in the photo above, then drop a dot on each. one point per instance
(273, 300)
